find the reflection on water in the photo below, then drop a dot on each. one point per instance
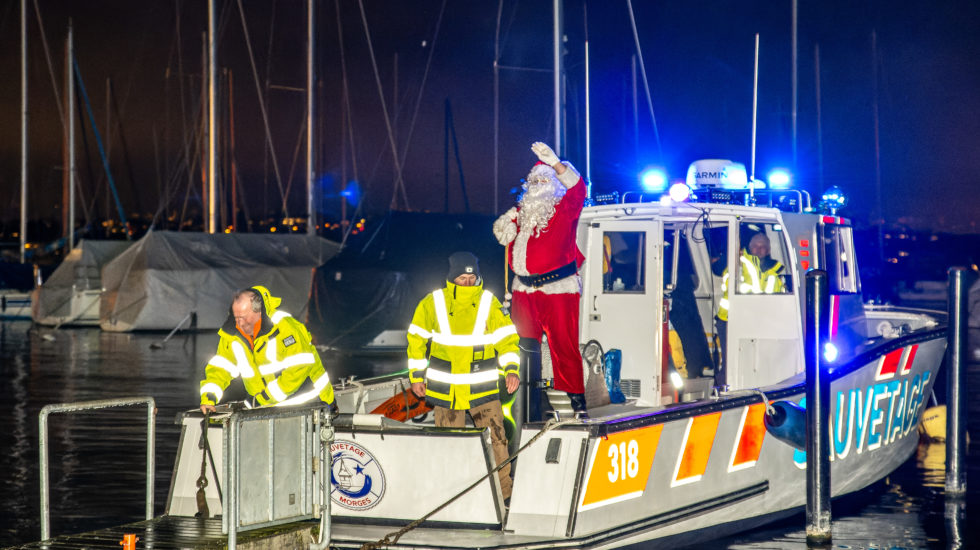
(98, 458)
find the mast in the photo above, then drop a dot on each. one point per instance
(70, 99)
(23, 131)
(794, 76)
(557, 23)
(311, 215)
(212, 131)
(588, 132)
(816, 69)
(755, 115)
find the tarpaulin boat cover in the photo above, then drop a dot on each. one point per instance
(167, 275)
(15, 276)
(81, 270)
(375, 285)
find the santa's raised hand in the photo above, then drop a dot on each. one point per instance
(545, 154)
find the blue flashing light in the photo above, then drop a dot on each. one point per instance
(352, 192)
(830, 352)
(654, 180)
(779, 179)
(833, 199)
(679, 192)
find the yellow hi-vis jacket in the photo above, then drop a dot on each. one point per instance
(458, 344)
(280, 367)
(752, 280)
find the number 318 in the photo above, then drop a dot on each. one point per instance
(623, 458)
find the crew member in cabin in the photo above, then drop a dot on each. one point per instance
(458, 343)
(271, 350)
(539, 234)
(759, 274)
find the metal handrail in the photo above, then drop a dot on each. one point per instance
(315, 415)
(91, 405)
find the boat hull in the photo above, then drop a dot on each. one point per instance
(638, 475)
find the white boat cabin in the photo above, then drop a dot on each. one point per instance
(645, 260)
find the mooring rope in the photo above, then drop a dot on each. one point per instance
(392, 538)
(770, 410)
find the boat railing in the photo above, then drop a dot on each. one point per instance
(87, 406)
(287, 494)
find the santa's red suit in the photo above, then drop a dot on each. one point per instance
(542, 252)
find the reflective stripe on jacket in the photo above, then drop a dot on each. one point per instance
(752, 280)
(280, 367)
(459, 343)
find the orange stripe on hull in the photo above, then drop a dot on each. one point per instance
(620, 466)
(751, 433)
(693, 460)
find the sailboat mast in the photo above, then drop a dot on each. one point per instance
(212, 130)
(70, 98)
(557, 22)
(311, 216)
(23, 131)
(755, 115)
(794, 70)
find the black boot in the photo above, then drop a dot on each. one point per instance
(578, 404)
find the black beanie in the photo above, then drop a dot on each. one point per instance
(462, 263)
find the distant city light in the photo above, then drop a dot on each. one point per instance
(654, 180)
(779, 179)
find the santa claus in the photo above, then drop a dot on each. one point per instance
(540, 238)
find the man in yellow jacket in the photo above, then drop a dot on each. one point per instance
(270, 350)
(759, 273)
(458, 344)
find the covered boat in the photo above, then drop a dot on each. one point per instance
(669, 465)
(70, 296)
(167, 276)
(378, 284)
(16, 281)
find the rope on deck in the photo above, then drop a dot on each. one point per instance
(392, 538)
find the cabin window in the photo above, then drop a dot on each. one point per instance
(838, 252)
(762, 260)
(623, 261)
(678, 267)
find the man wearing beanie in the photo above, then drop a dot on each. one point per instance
(540, 238)
(458, 343)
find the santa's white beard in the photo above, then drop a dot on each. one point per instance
(537, 205)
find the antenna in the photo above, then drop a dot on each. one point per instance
(755, 114)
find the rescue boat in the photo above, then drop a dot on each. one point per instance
(671, 464)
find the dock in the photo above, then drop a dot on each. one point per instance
(171, 532)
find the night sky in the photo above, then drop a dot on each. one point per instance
(698, 59)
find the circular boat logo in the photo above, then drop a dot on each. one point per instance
(357, 480)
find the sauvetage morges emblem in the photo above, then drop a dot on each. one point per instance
(356, 478)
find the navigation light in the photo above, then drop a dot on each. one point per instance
(779, 179)
(654, 180)
(833, 199)
(830, 352)
(679, 192)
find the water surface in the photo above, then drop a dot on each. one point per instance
(98, 459)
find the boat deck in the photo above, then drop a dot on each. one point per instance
(171, 532)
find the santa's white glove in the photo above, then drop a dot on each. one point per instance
(544, 153)
(506, 305)
(504, 228)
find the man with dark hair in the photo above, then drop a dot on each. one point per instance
(458, 343)
(270, 350)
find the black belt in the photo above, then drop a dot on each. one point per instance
(536, 281)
